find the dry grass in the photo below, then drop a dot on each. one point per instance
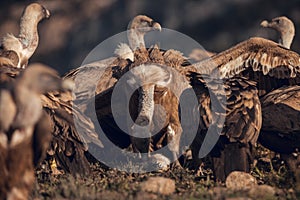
(106, 183)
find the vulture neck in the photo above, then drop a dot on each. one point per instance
(136, 39)
(286, 38)
(146, 102)
(28, 103)
(29, 34)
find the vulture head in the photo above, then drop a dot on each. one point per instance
(284, 26)
(36, 11)
(42, 79)
(138, 27)
(144, 24)
(145, 78)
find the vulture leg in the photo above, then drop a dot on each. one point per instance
(173, 136)
(233, 157)
(237, 158)
(195, 148)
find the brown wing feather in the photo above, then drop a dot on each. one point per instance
(94, 78)
(242, 106)
(243, 117)
(261, 60)
(237, 100)
(69, 141)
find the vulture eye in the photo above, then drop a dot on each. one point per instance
(145, 23)
(277, 21)
(151, 23)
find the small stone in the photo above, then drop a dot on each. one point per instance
(145, 195)
(240, 181)
(160, 185)
(262, 192)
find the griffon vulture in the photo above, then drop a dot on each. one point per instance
(27, 41)
(24, 128)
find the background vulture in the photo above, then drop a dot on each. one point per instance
(25, 44)
(24, 128)
(281, 133)
(284, 27)
(269, 65)
(68, 146)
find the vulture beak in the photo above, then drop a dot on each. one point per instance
(156, 26)
(264, 24)
(47, 13)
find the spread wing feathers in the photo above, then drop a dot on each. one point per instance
(200, 54)
(243, 121)
(72, 131)
(256, 55)
(237, 99)
(94, 78)
(281, 133)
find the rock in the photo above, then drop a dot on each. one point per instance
(262, 192)
(145, 195)
(240, 181)
(161, 185)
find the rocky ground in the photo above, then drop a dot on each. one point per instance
(269, 179)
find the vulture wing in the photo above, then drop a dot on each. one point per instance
(236, 113)
(281, 133)
(261, 60)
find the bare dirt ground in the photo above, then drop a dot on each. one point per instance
(274, 181)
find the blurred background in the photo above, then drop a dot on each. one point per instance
(77, 26)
